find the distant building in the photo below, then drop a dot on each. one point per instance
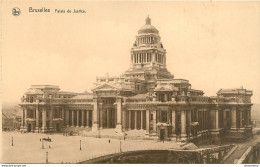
(146, 96)
(10, 123)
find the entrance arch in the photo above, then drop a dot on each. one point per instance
(29, 128)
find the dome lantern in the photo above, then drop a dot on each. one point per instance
(148, 20)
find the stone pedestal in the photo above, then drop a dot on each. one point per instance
(95, 127)
(215, 136)
(118, 128)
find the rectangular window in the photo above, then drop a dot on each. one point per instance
(164, 116)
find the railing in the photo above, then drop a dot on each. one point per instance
(206, 154)
(91, 157)
(118, 137)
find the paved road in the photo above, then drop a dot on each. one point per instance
(241, 149)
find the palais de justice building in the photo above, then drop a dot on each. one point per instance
(145, 97)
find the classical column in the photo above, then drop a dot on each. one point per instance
(77, 118)
(224, 118)
(51, 119)
(63, 116)
(147, 121)
(217, 119)
(247, 112)
(101, 116)
(189, 121)
(233, 118)
(95, 115)
(37, 117)
(108, 121)
(246, 118)
(249, 116)
(25, 118)
(22, 119)
(33, 113)
(142, 120)
(67, 117)
(183, 124)
(173, 123)
(129, 127)
(197, 115)
(241, 118)
(87, 118)
(72, 118)
(118, 114)
(154, 121)
(82, 118)
(165, 97)
(101, 119)
(124, 117)
(113, 115)
(44, 120)
(135, 120)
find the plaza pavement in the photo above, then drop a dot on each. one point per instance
(65, 149)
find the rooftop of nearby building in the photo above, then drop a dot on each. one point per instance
(45, 87)
(235, 91)
(83, 96)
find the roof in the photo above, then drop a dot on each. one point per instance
(165, 87)
(83, 96)
(148, 28)
(34, 91)
(45, 87)
(235, 91)
(138, 96)
(66, 93)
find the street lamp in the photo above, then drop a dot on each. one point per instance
(46, 157)
(80, 145)
(42, 144)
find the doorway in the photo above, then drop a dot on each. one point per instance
(29, 128)
(57, 127)
(162, 134)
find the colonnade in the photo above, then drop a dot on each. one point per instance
(147, 58)
(135, 119)
(146, 40)
(78, 118)
(141, 57)
(107, 118)
(240, 118)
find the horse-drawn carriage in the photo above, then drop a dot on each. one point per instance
(47, 139)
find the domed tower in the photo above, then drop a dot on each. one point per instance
(148, 57)
(148, 50)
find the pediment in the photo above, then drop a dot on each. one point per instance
(105, 87)
(162, 88)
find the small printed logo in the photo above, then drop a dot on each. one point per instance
(16, 11)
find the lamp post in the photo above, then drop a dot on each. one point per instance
(80, 145)
(42, 144)
(120, 147)
(46, 157)
(12, 141)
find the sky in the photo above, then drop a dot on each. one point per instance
(212, 44)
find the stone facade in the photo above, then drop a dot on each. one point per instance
(147, 97)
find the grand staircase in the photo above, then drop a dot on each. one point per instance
(78, 130)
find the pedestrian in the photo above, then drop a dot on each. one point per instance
(49, 146)
(40, 139)
(108, 140)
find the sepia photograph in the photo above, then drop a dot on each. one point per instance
(130, 82)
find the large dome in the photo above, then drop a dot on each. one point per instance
(148, 28)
